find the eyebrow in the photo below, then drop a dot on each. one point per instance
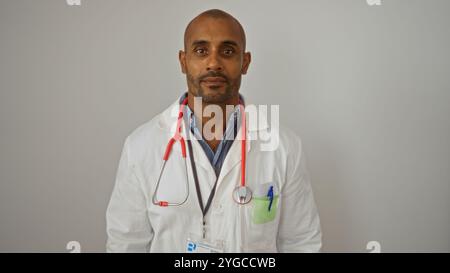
(226, 42)
(232, 43)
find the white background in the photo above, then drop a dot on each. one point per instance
(366, 87)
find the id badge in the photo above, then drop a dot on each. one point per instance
(196, 244)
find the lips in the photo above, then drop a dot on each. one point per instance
(214, 80)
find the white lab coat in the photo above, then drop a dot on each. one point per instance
(134, 224)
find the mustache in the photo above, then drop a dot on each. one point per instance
(212, 74)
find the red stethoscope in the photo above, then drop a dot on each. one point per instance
(241, 194)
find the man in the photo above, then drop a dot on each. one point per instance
(189, 205)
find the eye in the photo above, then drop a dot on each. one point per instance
(228, 51)
(200, 51)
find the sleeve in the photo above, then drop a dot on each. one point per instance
(299, 229)
(127, 224)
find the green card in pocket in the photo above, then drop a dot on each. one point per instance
(261, 213)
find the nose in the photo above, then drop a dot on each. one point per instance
(214, 62)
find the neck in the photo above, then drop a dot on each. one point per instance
(199, 114)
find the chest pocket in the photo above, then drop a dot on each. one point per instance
(264, 210)
(262, 219)
(265, 203)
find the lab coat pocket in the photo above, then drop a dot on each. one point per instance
(262, 223)
(265, 204)
(263, 211)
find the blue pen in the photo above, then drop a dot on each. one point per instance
(270, 196)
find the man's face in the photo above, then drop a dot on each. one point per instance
(214, 59)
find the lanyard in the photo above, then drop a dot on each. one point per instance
(197, 187)
(197, 184)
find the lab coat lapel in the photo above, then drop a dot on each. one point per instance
(233, 158)
(201, 159)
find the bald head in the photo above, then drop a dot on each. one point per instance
(213, 14)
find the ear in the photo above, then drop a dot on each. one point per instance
(182, 59)
(246, 62)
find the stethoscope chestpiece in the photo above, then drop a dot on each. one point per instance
(242, 195)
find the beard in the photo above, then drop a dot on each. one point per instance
(213, 94)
